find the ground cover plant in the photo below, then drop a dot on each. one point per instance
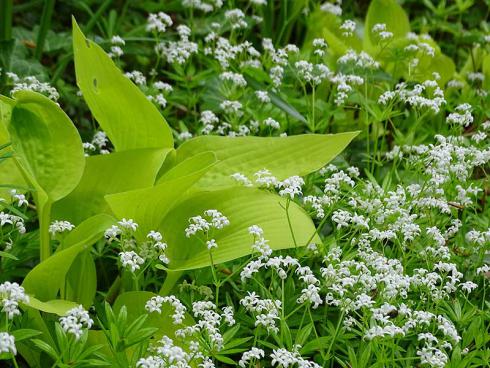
(256, 183)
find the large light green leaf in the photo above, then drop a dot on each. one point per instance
(388, 12)
(486, 70)
(49, 151)
(283, 157)
(243, 207)
(56, 306)
(149, 206)
(81, 280)
(46, 279)
(186, 167)
(47, 144)
(122, 110)
(107, 174)
(441, 64)
(9, 172)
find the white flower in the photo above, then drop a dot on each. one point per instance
(231, 107)
(236, 18)
(241, 179)
(291, 186)
(380, 30)
(468, 286)
(11, 294)
(210, 244)
(254, 353)
(158, 22)
(334, 9)
(131, 260)
(128, 224)
(60, 227)
(112, 233)
(156, 302)
(348, 27)
(263, 96)
(214, 220)
(155, 236)
(75, 320)
(272, 123)
(137, 77)
(21, 199)
(236, 78)
(7, 343)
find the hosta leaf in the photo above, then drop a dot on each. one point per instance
(107, 174)
(46, 143)
(243, 207)
(150, 205)
(486, 70)
(441, 64)
(283, 157)
(121, 109)
(81, 280)
(192, 164)
(388, 12)
(46, 279)
(9, 172)
(49, 151)
(56, 306)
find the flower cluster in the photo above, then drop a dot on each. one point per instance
(75, 320)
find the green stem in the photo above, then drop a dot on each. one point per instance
(44, 237)
(6, 42)
(44, 27)
(6, 11)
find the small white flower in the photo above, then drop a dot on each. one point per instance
(7, 343)
(60, 227)
(131, 260)
(75, 320)
(128, 224)
(211, 244)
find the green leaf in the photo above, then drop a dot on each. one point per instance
(441, 64)
(149, 206)
(9, 172)
(46, 279)
(47, 144)
(243, 207)
(388, 12)
(56, 306)
(121, 109)
(89, 231)
(8, 255)
(283, 157)
(24, 334)
(81, 280)
(486, 71)
(192, 164)
(107, 174)
(48, 151)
